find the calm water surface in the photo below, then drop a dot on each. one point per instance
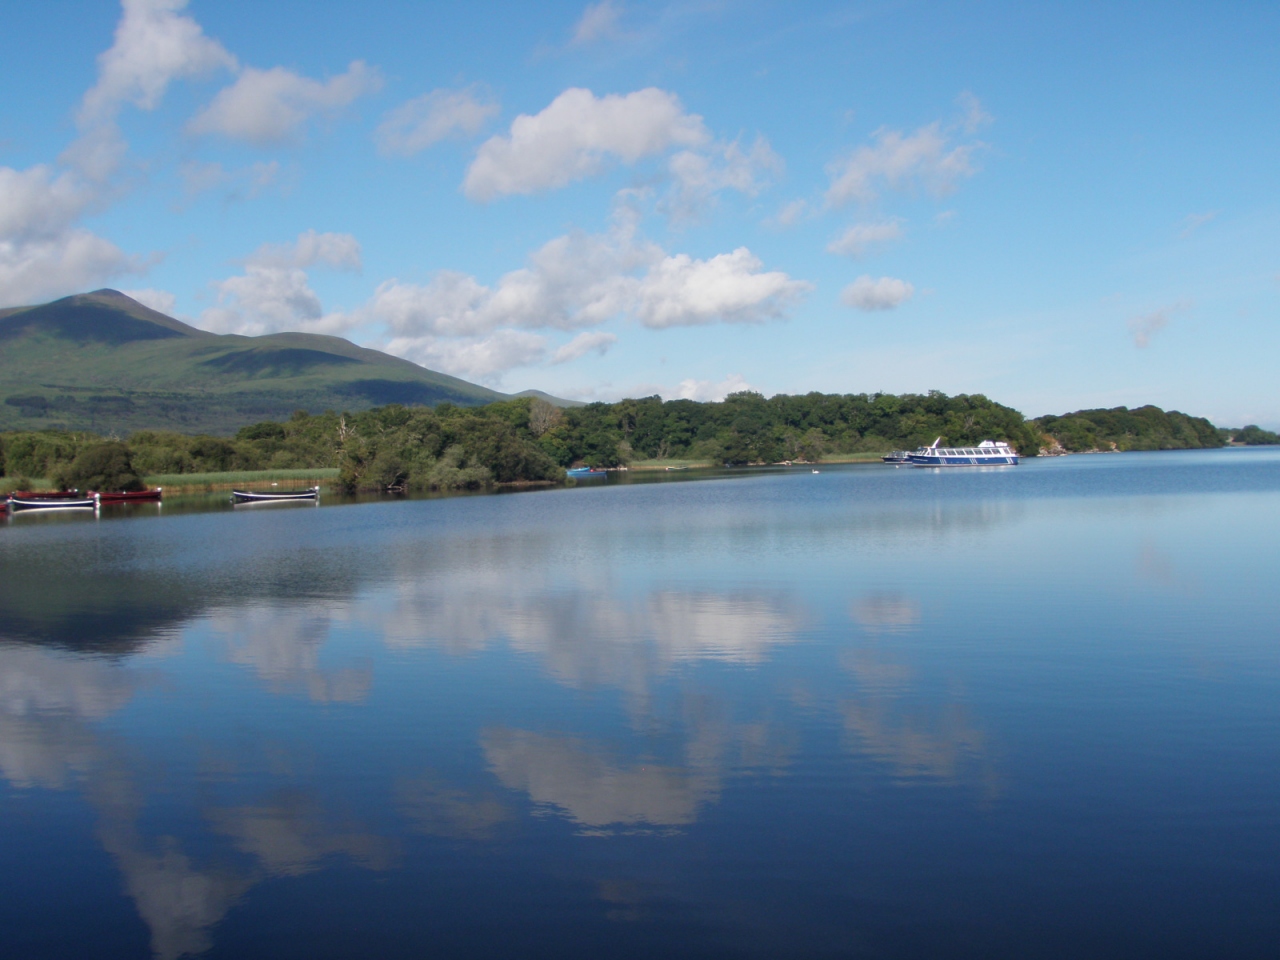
(876, 712)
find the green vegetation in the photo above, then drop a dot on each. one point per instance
(106, 466)
(1144, 428)
(1251, 436)
(747, 428)
(105, 363)
(529, 440)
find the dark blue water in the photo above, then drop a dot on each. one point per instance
(874, 712)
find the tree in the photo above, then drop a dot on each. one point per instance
(103, 467)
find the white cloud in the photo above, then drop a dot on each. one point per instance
(154, 45)
(863, 238)
(572, 282)
(274, 293)
(161, 300)
(432, 117)
(599, 21)
(708, 391)
(43, 254)
(1143, 328)
(586, 342)
(576, 136)
(270, 106)
(479, 358)
(1193, 222)
(791, 214)
(199, 177)
(868, 293)
(682, 291)
(975, 117)
(926, 158)
(697, 176)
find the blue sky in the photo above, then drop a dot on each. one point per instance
(1058, 205)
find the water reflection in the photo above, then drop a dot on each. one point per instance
(751, 703)
(595, 789)
(437, 808)
(282, 645)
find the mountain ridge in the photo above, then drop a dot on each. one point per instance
(102, 361)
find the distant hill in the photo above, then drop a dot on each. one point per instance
(104, 362)
(1119, 428)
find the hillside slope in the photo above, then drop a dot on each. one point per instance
(104, 362)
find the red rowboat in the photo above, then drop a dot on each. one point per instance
(135, 496)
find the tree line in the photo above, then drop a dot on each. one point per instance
(529, 440)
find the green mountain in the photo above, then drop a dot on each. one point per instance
(104, 362)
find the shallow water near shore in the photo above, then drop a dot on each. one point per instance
(872, 712)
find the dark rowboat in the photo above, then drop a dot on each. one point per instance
(244, 496)
(49, 495)
(133, 496)
(51, 503)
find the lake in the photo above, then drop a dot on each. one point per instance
(873, 712)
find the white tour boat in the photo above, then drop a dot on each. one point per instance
(986, 454)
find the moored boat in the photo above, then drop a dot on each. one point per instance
(131, 496)
(897, 456)
(17, 504)
(249, 496)
(578, 473)
(988, 453)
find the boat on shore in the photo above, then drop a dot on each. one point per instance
(131, 496)
(249, 496)
(989, 453)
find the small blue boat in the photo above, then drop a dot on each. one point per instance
(582, 473)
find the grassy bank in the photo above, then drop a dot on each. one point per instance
(200, 482)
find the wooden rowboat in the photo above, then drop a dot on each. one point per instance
(132, 496)
(51, 503)
(246, 496)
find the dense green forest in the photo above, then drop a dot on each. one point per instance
(1143, 428)
(530, 440)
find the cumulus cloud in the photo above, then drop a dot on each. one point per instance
(591, 341)
(582, 280)
(863, 238)
(599, 21)
(682, 291)
(868, 293)
(698, 175)
(271, 106)
(274, 294)
(154, 45)
(432, 117)
(710, 391)
(576, 136)
(43, 253)
(476, 358)
(161, 300)
(1144, 327)
(572, 282)
(927, 158)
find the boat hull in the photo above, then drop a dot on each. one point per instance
(1007, 460)
(17, 505)
(137, 496)
(246, 496)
